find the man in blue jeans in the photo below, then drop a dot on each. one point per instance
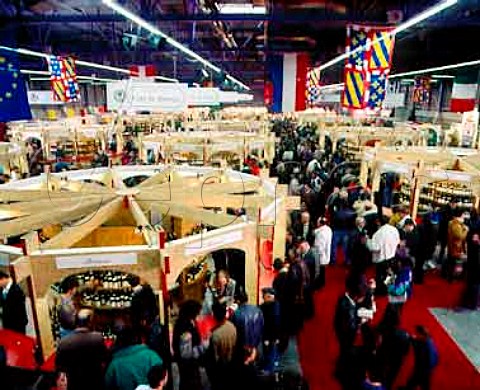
(343, 224)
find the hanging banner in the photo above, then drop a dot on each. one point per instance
(130, 95)
(203, 97)
(42, 98)
(469, 128)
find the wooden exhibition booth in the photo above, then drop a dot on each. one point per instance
(111, 233)
(77, 141)
(362, 136)
(429, 177)
(12, 155)
(224, 148)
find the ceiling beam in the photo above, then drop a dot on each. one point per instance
(110, 18)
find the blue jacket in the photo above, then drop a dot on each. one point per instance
(249, 322)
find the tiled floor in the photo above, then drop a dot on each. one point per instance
(464, 328)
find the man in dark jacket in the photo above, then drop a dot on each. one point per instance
(473, 268)
(12, 302)
(82, 355)
(272, 328)
(248, 319)
(426, 359)
(347, 325)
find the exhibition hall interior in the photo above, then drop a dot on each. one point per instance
(239, 194)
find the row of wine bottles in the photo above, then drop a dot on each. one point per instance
(107, 279)
(107, 298)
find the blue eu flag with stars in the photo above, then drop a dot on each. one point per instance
(13, 92)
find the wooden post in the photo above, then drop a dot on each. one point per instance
(415, 190)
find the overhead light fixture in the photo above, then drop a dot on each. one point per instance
(442, 76)
(154, 30)
(233, 79)
(83, 78)
(35, 72)
(427, 14)
(163, 78)
(88, 64)
(331, 86)
(205, 73)
(239, 9)
(436, 69)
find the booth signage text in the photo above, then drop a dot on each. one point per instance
(96, 260)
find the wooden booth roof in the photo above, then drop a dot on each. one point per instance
(82, 201)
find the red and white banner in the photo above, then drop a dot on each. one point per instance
(143, 71)
(295, 68)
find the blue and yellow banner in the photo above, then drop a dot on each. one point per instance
(381, 50)
(354, 91)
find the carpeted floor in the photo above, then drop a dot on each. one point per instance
(464, 328)
(318, 347)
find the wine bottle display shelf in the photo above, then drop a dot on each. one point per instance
(439, 194)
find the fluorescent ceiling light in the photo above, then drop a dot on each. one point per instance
(422, 71)
(172, 42)
(32, 53)
(402, 27)
(35, 72)
(90, 78)
(163, 78)
(233, 79)
(331, 86)
(442, 76)
(436, 69)
(250, 9)
(151, 28)
(205, 73)
(425, 15)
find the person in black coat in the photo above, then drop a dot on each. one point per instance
(82, 355)
(426, 359)
(144, 307)
(347, 327)
(473, 268)
(393, 348)
(427, 244)
(12, 302)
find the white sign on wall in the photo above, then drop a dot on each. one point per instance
(96, 260)
(41, 98)
(209, 244)
(394, 99)
(132, 95)
(203, 96)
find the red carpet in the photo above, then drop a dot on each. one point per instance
(318, 346)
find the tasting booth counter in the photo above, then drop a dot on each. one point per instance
(104, 275)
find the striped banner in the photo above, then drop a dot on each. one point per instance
(354, 91)
(313, 86)
(381, 49)
(288, 73)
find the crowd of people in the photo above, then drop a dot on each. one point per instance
(340, 224)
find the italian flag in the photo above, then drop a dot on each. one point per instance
(464, 91)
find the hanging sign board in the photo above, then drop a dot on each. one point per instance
(209, 244)
(394, 99)
(228, 97)
(203, 97)
(42, 98)
(469, 128)
(449, 175)
(96, 260)
(385, 167)
(129, 95)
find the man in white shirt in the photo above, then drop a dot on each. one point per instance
(383, 245)
(323, 247)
